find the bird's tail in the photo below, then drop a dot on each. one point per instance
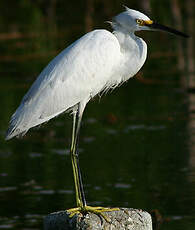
(13, 131)
(14, 128)
(17, 126)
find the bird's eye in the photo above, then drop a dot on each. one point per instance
(140, 22)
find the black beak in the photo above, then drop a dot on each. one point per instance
(157, 26)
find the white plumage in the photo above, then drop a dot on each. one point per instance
(97, 61)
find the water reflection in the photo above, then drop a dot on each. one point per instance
(142, 127)
(61, 151)
(142, 157)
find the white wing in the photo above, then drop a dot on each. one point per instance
(77, 74)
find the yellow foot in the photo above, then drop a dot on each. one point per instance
(96, 210)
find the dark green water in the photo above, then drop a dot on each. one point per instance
(136, 144)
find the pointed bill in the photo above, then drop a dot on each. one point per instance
(157, 26)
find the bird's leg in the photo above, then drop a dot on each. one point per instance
(80, 196)
(82, 207)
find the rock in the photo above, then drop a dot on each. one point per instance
(124, 219)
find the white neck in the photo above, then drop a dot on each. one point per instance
(133, 49)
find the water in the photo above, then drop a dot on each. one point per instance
(136, 144)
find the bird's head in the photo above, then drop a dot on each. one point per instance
(133, 20)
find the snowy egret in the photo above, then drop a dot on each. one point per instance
(97, 62)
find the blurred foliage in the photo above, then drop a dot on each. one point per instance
(40, 28)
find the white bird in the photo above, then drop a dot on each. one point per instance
(98, 61)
